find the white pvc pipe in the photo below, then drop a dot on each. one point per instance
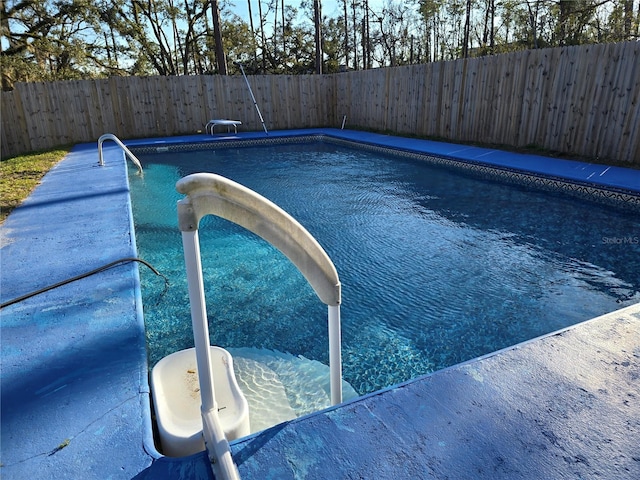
(335, 355)
(199, 321)
(218, 447)
(214, 438)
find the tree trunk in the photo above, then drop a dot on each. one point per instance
(565, 10)
(628, 19)
(467, 28)
(253, 36)
(492, 41)
(284, 34)
(367, 42)
(263, 47)
(221, 59)
(317, 20)
(355, 39)
(533, 20)
(275, 32)
(346, 35)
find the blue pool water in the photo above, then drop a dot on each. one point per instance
(437, 267)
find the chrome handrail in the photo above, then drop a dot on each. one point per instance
(111, 136)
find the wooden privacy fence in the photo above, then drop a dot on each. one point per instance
(581, 100)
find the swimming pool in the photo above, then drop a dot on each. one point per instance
(437, 266)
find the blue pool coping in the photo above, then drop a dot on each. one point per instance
(74, 379)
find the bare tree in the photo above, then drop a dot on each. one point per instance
(317, 22)
(263, 45)
(221, 59)
(396, 24)
(488, 33)
(253, 34)
(346, 34)
(366, 33)
(467, 28)
(284, 30)
(354, 5)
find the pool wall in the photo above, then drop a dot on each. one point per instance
(74, 380)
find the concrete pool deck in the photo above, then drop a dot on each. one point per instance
(75, 394)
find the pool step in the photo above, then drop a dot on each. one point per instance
(265, 394)
(280, 386)
(175, 384)
(277, 386)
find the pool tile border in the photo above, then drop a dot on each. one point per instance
(611, 196)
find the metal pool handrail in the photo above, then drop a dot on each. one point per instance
(111, 136)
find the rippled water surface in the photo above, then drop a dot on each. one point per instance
(437, 267)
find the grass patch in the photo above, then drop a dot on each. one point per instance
(20, 175)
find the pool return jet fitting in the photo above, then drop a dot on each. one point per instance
(224, 410)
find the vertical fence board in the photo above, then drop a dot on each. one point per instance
(586, 67)
(531, 97)
(436, 95)
(412, 98)
(548, 108)
(421, 99)
(500, 100)
(630, 145)
(607, 92)
(14, 138)
(517, 104)
(30, 96)
(487, 116)
(565, 97)
(554, 108)
(623, 81)
(471, 104)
